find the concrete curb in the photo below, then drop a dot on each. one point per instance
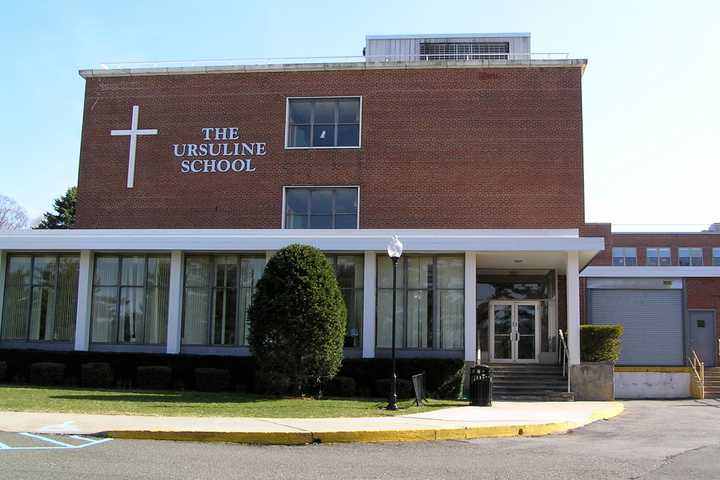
(371, 436)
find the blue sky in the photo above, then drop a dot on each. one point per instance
(651, 98)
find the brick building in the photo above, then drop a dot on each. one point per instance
(468, 147)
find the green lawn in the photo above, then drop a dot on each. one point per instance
(173, 403)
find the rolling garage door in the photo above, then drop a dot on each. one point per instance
(652, 320)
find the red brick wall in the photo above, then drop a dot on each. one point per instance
(442, 148)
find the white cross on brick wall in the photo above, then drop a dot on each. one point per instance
(133, 133)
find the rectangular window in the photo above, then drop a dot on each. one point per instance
(321, 207)
(40, 300)
(690, 256)
(716, 256)
(658, 256)
(350, 276)
(624, 256)
(332, 122)
(218, 293)
(430, 302)
(130, 299)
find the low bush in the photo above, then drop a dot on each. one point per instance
(212, 379)
(341, 387)
(96, 374)
(3, 371)
(47, 373)
(156, 377)
(600, 343)
(383, 387)
(272, 383)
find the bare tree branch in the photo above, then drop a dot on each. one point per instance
(12, 215)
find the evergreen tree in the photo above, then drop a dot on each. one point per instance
(64, 212)
(298, 318)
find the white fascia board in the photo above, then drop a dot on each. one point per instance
(449, 35)
(650, 272)
(328, 240)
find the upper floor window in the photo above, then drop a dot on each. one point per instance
(658, 256)
(716, 256)
(40, 297)
(323, 207)
(464, 50)
(323, 122)
(690, 256)
(624, 256)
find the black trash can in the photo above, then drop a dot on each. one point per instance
(481, 386)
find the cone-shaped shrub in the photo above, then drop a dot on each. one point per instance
(298, 318)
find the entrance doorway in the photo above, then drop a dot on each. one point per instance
(702, 335)
(514, 331)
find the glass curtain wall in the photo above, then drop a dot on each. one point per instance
(130, 299)
(218, 292)
(40, 301)
(349, 273)
(430, 302)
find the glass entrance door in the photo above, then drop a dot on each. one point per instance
(514, 330)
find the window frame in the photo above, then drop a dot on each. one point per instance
(331, 97)
(624, 256)
(332, 257)
(283, 213)
(241, 330)
(403, 290)
(119, 286)
(31, 292)
(715, 256)
(658, 256)
(690, 256)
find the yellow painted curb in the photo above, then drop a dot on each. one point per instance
(373, 436)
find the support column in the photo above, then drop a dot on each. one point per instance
(3, 269)
(573, 307)
(471, 353)
(369, 293)
(84, 301)
(174, 321)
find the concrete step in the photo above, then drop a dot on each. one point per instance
(539, 397)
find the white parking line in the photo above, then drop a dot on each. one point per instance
(58, 445)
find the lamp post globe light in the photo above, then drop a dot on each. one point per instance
(394, 251)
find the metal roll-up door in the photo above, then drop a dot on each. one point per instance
(652, 320)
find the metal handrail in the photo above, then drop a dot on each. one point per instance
(698, 368)
(563, 355)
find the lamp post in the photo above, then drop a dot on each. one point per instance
(394, 250)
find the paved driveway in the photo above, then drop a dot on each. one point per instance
(651, 440)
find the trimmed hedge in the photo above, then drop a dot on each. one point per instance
(96, 374)
(212, 379)
(3, 371)
(47, 373)
(443, 377)
(155, 377)
(383, 387)
(600, 343)
(341, 387)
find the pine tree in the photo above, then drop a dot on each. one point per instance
(64, 212)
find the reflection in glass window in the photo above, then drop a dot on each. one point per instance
(323, 122)
(690, 256)
(217, 295)
(40, 301)
(624, 256)
(430, 302)
(349, 274)
(130, 299)
(716, 256)
(335, 207)
(658, 256)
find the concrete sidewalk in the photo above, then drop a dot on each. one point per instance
(501, 420)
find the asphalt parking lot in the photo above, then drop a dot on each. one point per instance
(651, 440)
